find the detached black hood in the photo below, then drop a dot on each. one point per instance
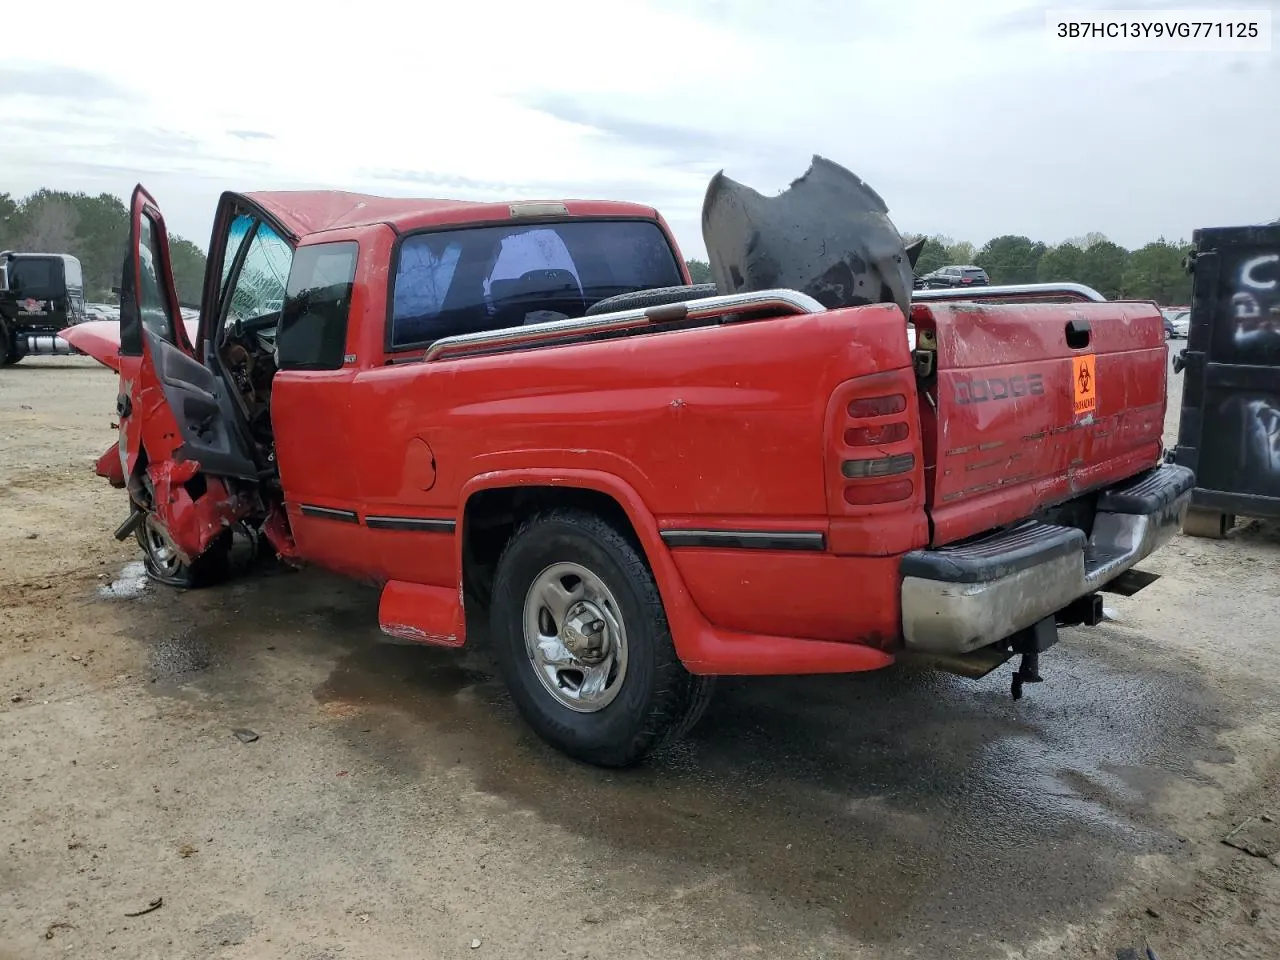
(828, 235)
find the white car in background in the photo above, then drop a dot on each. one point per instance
(1178, 322)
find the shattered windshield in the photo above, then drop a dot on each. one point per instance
(485, 278)
(260, 285)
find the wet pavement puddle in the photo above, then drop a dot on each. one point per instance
(882, 800)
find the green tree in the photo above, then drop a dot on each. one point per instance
(1088, 240)
(939, 252)
(1062, 264)
(1010, 259)
(933, 256)
(9, 212)
(50, 225)
(1102, 267)
(960, 254)
(95, 230)
(188, 270)
(1155, 272)
(699, 271)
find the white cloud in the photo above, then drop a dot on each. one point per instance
(962, 118)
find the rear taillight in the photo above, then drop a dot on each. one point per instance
(878, 466)
(877, 406)
(872, 436)
(887, 491)
(873, 448)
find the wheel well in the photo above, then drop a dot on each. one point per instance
(491, 517)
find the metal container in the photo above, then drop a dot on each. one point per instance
(1229, 432)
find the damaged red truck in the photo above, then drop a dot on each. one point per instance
(526, 412)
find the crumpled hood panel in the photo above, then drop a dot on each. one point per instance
(828, 235)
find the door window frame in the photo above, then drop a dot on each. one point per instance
(131, 324)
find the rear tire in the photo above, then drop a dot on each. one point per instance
(582, 640)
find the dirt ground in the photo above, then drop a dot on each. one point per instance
(394, 806)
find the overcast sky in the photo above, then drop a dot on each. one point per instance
(963, 116)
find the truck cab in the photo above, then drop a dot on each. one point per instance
(41, 294)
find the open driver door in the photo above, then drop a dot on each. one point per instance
(181, 449)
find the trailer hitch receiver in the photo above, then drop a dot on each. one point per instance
(1030, 643)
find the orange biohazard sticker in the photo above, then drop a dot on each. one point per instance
(1084, 381)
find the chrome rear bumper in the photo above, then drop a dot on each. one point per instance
(959, 598)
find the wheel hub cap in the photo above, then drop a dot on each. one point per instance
(585, 633)
(574, 637)
(161, 548)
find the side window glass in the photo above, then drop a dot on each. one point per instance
(74, 274)
(259, 287)
(313, 324)
(153, 301)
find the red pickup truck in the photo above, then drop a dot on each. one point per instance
(525, 410)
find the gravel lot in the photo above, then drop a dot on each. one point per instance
(394, 806)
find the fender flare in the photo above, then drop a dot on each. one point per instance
(703, 648)
(682, 614)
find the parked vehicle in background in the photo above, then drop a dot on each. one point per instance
(41, 294)
(101, 311)
(1177, 322)
(956, 276)
(526, 412)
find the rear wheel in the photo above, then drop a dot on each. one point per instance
(583, 642)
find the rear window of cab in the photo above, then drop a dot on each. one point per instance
(450, 282)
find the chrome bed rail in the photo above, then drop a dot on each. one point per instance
(784, 301)
(1012, 291)
(535, 334)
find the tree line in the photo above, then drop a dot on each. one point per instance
(1151, 272)
(94, 230)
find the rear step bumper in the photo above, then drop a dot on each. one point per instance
(959, 598)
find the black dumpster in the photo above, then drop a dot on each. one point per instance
(1229, 432)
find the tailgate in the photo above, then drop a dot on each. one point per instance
(1033, 404)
